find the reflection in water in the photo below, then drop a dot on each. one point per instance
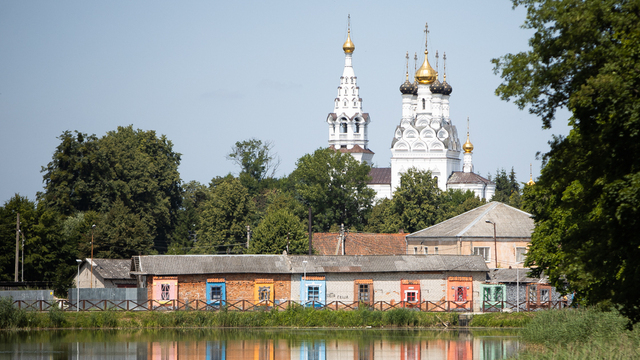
(235, 344)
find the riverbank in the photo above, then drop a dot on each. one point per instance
(580, 334)
(13, 318)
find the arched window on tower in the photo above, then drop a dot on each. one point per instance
(343, 128)
(345, 103)
(357, 128)
(424, 102)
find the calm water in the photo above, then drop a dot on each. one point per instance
(243, 344)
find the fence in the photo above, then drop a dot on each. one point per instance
(246, 305)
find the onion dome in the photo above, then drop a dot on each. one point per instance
(436, 87)
(406, 88)
(446, 88)
(426, 75)
(468, 146)
(348, 46)
(415, 87)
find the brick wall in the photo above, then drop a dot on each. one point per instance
(238, 286)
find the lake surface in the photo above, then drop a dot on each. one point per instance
(231, 344)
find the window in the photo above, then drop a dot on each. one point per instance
(460, 294)
(544, 295)
(415, 249)
(313, 293)
(164, 291)
(424, 102)
(521, 254)
(426, 250)
(264, 293)
(435, 250)
(497, 294)
(411, 296)
(363, 292)
(343, 128)
(216, 293)
(484, 251)
(357, 128)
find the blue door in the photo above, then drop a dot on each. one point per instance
(216, 293)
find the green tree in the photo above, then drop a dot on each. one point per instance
(455, 202)
(258, 164)
(48, 254)
(183, 237)
(121, 234)
(225, 216)
(278, 231)
(416, 202)
(335, 186)
(586, 204)
(132, 166)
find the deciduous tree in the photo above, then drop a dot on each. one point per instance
(586, 204)
(335, 186)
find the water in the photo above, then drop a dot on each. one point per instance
(231, 344)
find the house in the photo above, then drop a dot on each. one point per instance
(496, 231)
(516, 288)
(107, 273)
(359, 244)
(447, 281)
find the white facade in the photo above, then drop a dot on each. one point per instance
(426, 139)
(348, 125)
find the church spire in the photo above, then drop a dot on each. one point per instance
(467, 165)
(531, 182)
(347, 123)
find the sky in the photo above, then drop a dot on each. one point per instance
(210, 73)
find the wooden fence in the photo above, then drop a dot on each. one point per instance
(246, 305)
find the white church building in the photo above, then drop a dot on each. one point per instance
(425, 139)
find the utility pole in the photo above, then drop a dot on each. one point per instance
(92, 228)
(21, 233)
(248, 235)
(310, 234)
(17, 246)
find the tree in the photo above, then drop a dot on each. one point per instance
(48, 254)
(416, 202)
(507, 188)
(225, 216)
(132, 166)
(335, 186)
(278, 231)
(257, 162)
(586, 203)
(188, 223)
(121, 234)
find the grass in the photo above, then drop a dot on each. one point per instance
(519, 319)
(580, 334)
(295, 316)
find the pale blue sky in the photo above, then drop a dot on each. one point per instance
(207, 74)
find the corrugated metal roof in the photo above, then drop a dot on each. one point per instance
(112, 268)
(509, 276)
(380, 176)
(510, 223)
(283, 264)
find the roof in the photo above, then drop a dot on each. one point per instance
(459, 177)
(509, 276)
(112, 268)
(283, 264)
(510, 223)
(355, 149)
(360, 244)
(380, 176)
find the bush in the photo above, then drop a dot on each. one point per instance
(10, 316)
(57, 317)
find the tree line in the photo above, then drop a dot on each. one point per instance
(127, 184)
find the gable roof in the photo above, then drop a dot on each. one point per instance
(510, 223)
(513, 276)
(360, 244)
(459, 177)
(110, 269)
(283, 264)
(355, 149)
(380, 176)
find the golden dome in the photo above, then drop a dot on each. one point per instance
(531, 182)
(348, 46)
(468, 146)
(426, 75)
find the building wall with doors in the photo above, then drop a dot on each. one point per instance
(236, 286)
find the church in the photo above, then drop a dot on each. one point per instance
(425, 139)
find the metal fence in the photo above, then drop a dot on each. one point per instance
(247, 305)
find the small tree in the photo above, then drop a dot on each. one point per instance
(278, 231)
